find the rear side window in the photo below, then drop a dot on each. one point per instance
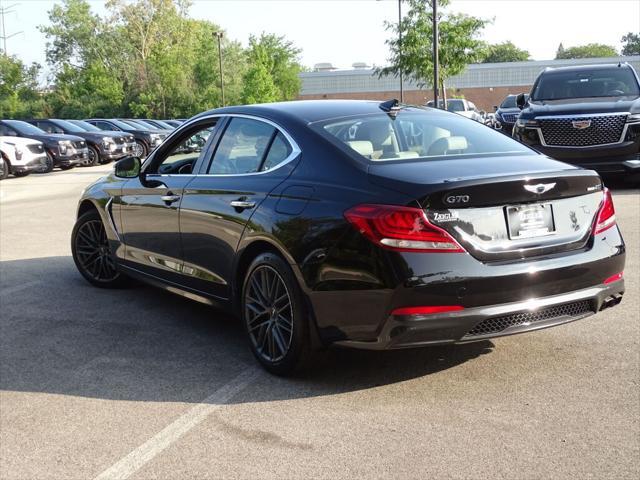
(613, 82)
(242, 147)
(278, 152)
(418, 134)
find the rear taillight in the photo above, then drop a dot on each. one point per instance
(606, 214)
(614, 278)
(400, 228)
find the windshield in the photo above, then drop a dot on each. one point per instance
(452, 105)
(418, 134)
(163, 124)
(140, 123)
(124, 125)
(68, 126)
(510, 101)
(611, 82)
(24, 128)
(86, 126)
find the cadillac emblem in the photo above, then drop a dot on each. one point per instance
(581, 124)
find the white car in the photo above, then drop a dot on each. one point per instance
(461, 107)
(22, 155)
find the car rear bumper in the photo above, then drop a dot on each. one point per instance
(481, 323)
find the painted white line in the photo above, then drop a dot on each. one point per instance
(18, 288)
(146, 452)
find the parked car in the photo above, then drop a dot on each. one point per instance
(587, 115)
(507, 113)
(461, 107)
(159, 124)
(147, 126)
(173, 123)
(22, 155)
(103, 147)
(127, 140)
(4, 171)
(63, 151)
(356, 223)
(145, 139)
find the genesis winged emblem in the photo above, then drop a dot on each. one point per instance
(539, 188)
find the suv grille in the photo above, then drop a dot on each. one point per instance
(498, 324)
(602, 130)
(510, 117)
(36, 148)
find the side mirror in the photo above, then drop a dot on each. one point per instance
(521, 101)
(495, 108)
(128, 167)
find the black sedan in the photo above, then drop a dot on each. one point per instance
(63, 151)
(358, 224)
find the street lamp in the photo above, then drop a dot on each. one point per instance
(400, 47)
(219, 36)
(435, 54)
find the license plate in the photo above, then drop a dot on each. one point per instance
(527, 221)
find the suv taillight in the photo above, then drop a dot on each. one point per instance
(400, 228)
(606, 214)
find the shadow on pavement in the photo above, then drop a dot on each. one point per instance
(59, 335)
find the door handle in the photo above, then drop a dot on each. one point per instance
(170, 198)
(242, 204)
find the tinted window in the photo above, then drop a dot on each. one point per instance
(509, 102)
(278, 152)
(419, 135)
(242, 147)
(85, 125)
(613, 82)
(186, 150)
(24, 128)
(6, 131)
(455, 105)
(49, 127)
(70, 127)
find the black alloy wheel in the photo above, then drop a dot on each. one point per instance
(274, 316)
(139, 150)
(91, 253)
(94, 157)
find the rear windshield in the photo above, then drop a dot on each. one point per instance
(613, 82)
(418, 134)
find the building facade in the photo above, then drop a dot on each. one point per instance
(485, 84)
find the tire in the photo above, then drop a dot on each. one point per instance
(5, 170)
(66, 167)
(94, 157)
(48, 166)
(91, 254)
(21, 174)
(277, 328)
(140, 150)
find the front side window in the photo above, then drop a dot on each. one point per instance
(610, 82)
(418, 134)
(186, 150)
(242, 147)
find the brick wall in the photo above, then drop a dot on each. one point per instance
(484, 98)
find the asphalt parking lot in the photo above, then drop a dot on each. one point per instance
(141, 384)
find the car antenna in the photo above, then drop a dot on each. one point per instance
(392, 107)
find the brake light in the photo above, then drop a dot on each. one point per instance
(613, 278)
(606, 214)
(429, 310)
(400, 228)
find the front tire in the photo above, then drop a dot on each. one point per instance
(140, 149)
(274, 315)
(91, 253)
(94, 157)
(48, 164)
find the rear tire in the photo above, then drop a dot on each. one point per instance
(5, 170)
(91, 253)
(274, 316)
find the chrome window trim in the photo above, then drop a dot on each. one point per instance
(621, 140)
(295, 149)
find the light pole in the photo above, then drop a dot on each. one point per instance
(400, 49)
(219, 36)
(436, 62)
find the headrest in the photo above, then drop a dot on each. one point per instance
(363, 147)
(447, 144)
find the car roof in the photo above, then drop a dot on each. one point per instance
(586, 68)
(305, 111)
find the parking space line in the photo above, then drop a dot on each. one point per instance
(146, 452)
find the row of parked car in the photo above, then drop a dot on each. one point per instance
(40, 145)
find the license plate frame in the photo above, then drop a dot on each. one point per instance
(531, 220)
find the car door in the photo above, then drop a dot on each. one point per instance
(148, 205)
(251, 158)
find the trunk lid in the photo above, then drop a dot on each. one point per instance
(518, 207)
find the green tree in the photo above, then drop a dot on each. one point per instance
(591, 50)
(459, 43)
(560, 51)
(631, 44)
(19, 93)
(259, 86)
(505, 52)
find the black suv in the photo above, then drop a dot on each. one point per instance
(146, 139)
(507, 113)
(64, 151)
(103, 146)
(586, 115)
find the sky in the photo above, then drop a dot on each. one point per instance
(342, 32)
